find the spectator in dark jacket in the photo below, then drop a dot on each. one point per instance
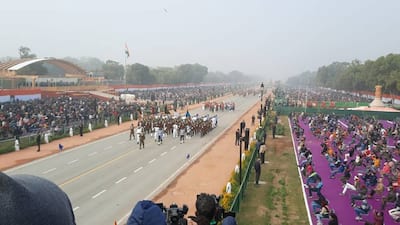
(31, 200)
(146, 213)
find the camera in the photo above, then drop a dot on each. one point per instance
(174, 215)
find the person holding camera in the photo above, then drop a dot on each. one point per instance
(208, 212)
(205, 210)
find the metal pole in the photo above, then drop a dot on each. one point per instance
(240, 161)
(125, 70)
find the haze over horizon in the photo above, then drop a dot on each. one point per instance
(269, 38)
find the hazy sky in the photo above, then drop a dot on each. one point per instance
(275, 39)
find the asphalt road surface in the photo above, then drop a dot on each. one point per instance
(104, 179)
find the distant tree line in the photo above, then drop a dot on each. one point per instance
(141, 74)
(355, 76)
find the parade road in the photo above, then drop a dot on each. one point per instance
(104, 179)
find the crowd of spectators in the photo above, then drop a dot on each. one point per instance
(20, 118)
(299, 97)
(361, 153)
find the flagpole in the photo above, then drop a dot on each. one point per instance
(126, 57)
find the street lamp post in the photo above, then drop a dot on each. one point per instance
(240, 160)
(242, 128)
(262, 90)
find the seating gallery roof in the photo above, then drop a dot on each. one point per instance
(18, 64)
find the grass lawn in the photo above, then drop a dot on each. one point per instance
(278, 199)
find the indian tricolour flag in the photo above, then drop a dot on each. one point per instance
(127, 51)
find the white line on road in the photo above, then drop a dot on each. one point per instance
(108, 147)
(92, 154)
(151, 161)
(76, 208)
(98, 194)
(73, 161)
(48, 171)
(121, 142)
(173, 147)
(163, 153)
(138, 169)
(120, 180)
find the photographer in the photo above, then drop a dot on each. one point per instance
(208, 212)
(205, 210)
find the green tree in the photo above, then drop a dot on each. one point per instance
(113, 70)
(25, 53)
(139, 74)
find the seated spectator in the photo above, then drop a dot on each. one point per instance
(319, 203)
(333, 220)
(317, 188)
(312, 178)
(362, 209)
(379, 188)
(31, 200)
(370, 178)
(378, 218)
(390, 197)
(353, 187)
(361, 194)
(385, 171)
(346, 175)
(395, 212)
(323, 213)
(339, 169)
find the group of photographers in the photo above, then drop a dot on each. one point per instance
(208, 212)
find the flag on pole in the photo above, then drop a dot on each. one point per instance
(126, 51)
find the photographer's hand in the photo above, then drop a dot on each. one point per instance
(191, 222)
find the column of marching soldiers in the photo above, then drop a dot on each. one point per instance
(182, 127)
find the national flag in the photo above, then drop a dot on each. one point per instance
(126, 50)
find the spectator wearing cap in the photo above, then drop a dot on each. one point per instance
(146, 212)
(31, 200)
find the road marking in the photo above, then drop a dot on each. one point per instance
(121, 142)
(73, 161)
(120, 180)
(163, 153)
(94, 169)
(108, 147)
(92, 154)
(48, 171)
(151, 161)
(76, 208)
(98, 194)
(138, 169)
(173, 147)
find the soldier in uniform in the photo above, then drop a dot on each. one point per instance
(132, 132)
(141, 137)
